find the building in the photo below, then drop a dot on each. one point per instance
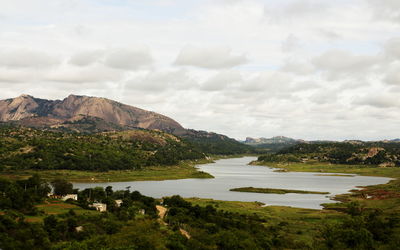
(70, 196)
(118, 203)
(101, 207)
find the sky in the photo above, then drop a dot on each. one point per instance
(305, 69)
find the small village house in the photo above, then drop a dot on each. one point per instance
(70, 196)
(118, 203)
(101, 207)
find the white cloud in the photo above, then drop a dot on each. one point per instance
(304, 68)
(291, 43)
(269, 82)
(341, 60)
(27, 58)
(386, 9)
(128, 59)
(93, 74)
(157, 82)
(209, 58)
(222, 80)
(379, 100)
(393, 75)
(86, 58)
(339, 63)
(300, 68)
(392, 48)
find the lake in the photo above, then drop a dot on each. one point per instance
(235, 173)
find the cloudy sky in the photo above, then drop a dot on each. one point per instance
(311, 69)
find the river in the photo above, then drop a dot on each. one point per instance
(235, 173)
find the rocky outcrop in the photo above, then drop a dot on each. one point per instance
(33, 111)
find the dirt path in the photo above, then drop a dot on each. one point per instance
(161, 211)
(184, 233)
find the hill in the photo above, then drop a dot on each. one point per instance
(90, 115)
(26, 148)
(348, 152)
(273, 144)
(213, 143)
(30, 111)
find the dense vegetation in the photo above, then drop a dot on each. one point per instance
(212, 143)
(133, 225)
(369, 153)
(22, 195)
(136, 224)
(25, 148)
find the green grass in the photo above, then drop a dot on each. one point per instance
(182, 171)
(322, 167)
(300, 224)
(56, 207)
(274, 191)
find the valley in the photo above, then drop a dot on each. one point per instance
(278, 192)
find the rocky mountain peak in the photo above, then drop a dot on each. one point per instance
(75, 106)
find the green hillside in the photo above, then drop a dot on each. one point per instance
(26, 148)
(212, 143)
(353, 152)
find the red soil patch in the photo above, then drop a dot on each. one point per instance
(382, 194)
(57, 205)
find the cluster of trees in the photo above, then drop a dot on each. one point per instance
(22, 195)
(212, 143)
(23, 148)
(278, 158)
(125, 227)
(339, 153)
(210, 228)
(121, 226)
(361, 229)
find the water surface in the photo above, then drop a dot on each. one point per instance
(234, 173)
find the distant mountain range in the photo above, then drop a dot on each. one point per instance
(94, 114)
(278, 143)
(273, 140)
(273, 144)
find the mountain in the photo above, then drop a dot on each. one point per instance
(273, 144)
(273, 140)
(30, 111)
(384, 154)
(94, 114)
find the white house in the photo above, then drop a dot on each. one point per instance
(101, 207)
(118, 203)
(70, 196)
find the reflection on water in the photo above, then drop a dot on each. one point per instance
(234, 173)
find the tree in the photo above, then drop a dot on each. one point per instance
(61, 187)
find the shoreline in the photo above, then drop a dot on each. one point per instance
(380, 196)
(185, 170)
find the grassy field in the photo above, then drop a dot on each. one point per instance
(55, 207)
(300, 224)
(274, 191)
(322, 167)
(182, 171)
